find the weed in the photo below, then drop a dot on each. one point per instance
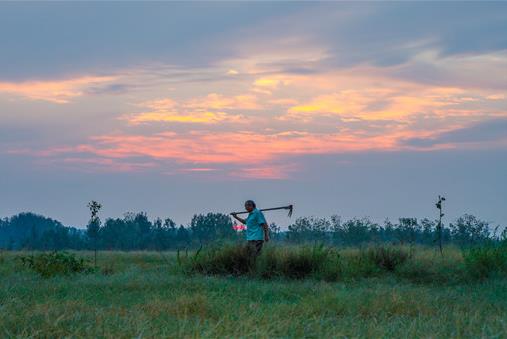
(108, 269)
(386, 257)
(482, 262)
(55, 263)
(293, 263)
(432, 271)
(226, 259)
(287, 262)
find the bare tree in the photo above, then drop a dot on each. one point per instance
(93, 227)
(439, 226)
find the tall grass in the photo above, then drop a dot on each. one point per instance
(331, 264)
(294, 262)
(298, 262)
(486, 261)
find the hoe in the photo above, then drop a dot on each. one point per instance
(288, 207)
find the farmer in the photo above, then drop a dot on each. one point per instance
(257, 231)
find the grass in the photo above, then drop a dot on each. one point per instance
(418, 265)
(144, 294)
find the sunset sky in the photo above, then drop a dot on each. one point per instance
(356, 109)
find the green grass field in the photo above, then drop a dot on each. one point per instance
(145, 294)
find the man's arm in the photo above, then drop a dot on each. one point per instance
(265, 227)
(241, 220)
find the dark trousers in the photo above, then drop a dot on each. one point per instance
(255, 247)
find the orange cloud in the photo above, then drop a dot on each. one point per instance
(496, 97)
(160, 105)
(214, 101)
(205, 110)
(59, 92)
(190, 117)
(384, 103)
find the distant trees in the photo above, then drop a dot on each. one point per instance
(275, 233)
(212, 226)
(468, 230)
(135, 231)
(308, 229)
(465, 231)
(33, 231)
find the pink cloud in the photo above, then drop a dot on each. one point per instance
(56, 91)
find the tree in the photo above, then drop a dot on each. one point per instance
(439, 225)
(274, 231)
(183, 236)
(427, 231)
(407, 230)
(93, 227)
(358, 231)
(308, 229)
(211, 227)
(468, 230)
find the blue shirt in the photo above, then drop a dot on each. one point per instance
(254, 229)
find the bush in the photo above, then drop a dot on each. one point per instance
(55, 263)
(482, 262)
(386, 257)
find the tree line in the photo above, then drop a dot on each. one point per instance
(135, 231)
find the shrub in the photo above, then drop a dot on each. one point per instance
(386, 257)
(55, 263)
(482, 262)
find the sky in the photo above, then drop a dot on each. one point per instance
(353, 109)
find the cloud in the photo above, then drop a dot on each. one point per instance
(485, 132)
(224, 147)
(187, 117)
(204, 110)
(215, 101)
(341, 79)
(56, 91)
(270, 171)
(388, 102)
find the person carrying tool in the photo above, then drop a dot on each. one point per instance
(257, 229)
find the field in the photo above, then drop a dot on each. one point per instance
(145, 294)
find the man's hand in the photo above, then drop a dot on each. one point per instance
(265, 227)
(235, 216)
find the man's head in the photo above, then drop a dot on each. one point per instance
(249, 205)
